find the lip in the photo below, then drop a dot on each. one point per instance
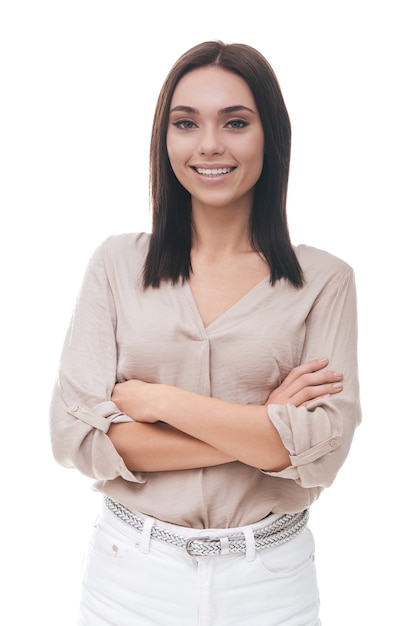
(212, 166)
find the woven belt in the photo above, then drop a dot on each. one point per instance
(281, 531)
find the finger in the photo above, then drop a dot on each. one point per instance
(306, 382)
(308, 394)
(303, 369)
(319, 378)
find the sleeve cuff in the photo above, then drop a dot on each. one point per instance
(100, 416)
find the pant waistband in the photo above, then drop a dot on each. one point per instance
(237, 541)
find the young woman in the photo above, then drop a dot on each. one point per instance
(208, 382)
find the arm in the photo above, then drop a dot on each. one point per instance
(82, 412)
(319, 434)
(236, 429)
(239, 431)
(159, 447)
(313, 431)
(81, 409)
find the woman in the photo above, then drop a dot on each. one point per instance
(208, 381)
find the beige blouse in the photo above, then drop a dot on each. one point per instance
(119, 331)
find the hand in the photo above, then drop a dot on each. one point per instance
(137, 399)
(305, 383)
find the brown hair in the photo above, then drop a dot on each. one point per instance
(170, 243)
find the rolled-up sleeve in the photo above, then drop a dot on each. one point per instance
(81, 409)
(318, 437)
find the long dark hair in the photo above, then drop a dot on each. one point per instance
(168, 256)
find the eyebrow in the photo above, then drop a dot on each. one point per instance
(232, 109)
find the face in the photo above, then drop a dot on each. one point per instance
(215, 139)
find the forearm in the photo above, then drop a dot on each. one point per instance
(159, 447)
(243, 432)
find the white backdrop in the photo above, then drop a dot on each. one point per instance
(79, 80)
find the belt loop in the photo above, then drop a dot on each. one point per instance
(224, 545)
(249, 543)
(146, 535)
(278, 532)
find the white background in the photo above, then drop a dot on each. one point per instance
(79, 81)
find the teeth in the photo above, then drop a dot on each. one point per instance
(214, 172)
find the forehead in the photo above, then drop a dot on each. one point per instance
(212, 84)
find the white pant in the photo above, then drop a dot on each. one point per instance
(132, 580)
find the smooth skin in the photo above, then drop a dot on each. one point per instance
(215, 144)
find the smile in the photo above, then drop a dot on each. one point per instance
(214, 172)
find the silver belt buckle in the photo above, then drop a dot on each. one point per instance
(189, 548)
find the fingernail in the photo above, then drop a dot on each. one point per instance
(337, 386)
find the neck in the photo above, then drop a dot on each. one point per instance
(217, 230)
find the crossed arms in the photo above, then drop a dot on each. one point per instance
(175, 429)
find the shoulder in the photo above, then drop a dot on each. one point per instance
(321, 267)
(123, 249)
(121, 254)
(125, 244)
(313, 260)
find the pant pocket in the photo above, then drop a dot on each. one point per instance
(290, 557)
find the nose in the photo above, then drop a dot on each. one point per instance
(210, 141)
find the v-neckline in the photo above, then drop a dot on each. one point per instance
(227, 311)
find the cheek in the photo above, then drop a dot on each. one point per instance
(255, 160)
(171, 145)
(170, 152)
(177, 152)
(260, 150)
(173, 160)
(260, 158)
(177, 169)
(178, 164)
(252, 152)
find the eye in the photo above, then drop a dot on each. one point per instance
(237, 124)
(184, 124)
